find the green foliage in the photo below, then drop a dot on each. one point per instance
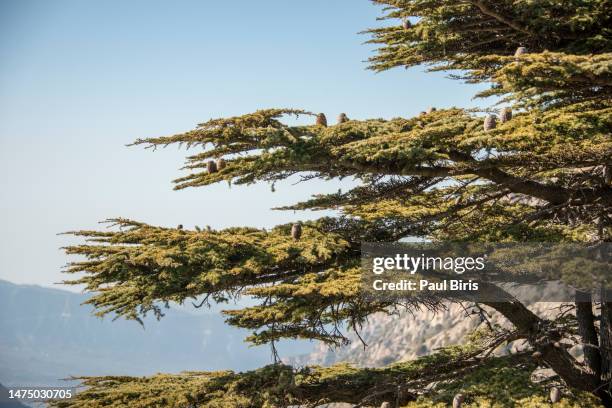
(449, 34)
(505, 378)
(499, 385)
(544, 175)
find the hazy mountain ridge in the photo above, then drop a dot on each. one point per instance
(48, 335)
(391, 338)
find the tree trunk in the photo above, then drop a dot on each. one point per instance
(605, 333)
(587, 332)
(534, 328)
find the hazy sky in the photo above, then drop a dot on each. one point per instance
(80, 79)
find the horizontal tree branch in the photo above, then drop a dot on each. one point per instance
(485, 9)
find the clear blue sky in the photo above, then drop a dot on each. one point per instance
(80, 79)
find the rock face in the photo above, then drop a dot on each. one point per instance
(397, 338)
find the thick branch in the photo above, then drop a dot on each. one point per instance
(552, 194)
(485, 9)
(534, 328)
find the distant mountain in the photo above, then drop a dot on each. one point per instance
(392, 338)
(6, 401)
(406, 336)
(46, 335)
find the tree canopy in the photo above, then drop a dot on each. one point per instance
(538, 170)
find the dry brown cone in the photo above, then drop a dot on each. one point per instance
(520, 51)
(321, 119)
(211, 166)
(458, 400)
(220, 163)
(555, 395)
(296, 231)
(505, 114)
(490, 122)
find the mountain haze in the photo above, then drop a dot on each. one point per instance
(48, 335)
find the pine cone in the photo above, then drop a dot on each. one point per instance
(607, 175)
(220, 163)
(211, 166)
(490, 122)
(505, 114)
(342, 118)
(555, 395)
(520, 51)
(321, 119)
(296, 231)
(458, 400)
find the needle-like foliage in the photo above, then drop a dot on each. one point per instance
(543, 173)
